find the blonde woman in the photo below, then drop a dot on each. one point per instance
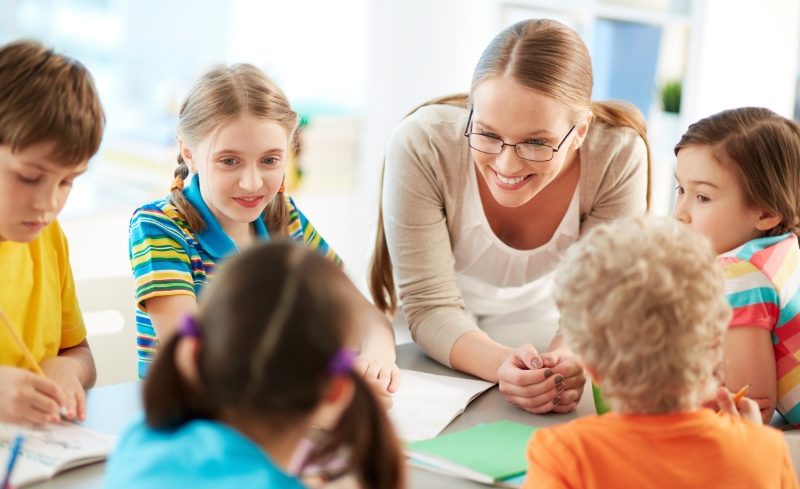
(482, 194)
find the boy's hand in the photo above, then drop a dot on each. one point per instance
(28, 398)
(64, 372)
(745, 408)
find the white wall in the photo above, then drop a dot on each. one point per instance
(745, 53)
(416, 50)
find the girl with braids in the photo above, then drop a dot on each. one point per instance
(232, 398)
(235, 131)
(484, 192)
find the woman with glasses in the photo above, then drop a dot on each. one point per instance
(483, 193)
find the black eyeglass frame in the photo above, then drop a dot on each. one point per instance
(553, 152)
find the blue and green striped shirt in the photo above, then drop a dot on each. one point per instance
(169, 258)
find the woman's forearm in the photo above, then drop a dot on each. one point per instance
(477, 354)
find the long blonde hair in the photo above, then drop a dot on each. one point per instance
(543, 55)
(222, 94)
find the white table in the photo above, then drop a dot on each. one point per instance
(111, 408)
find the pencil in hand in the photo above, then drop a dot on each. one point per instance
(62, 410)
(738, 396)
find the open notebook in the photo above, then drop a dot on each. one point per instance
(50, 449)
(426, 403)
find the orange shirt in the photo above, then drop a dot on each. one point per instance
(693, 449)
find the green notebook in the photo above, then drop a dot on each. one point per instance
(488, 453)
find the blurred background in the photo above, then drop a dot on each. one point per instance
(353, 68)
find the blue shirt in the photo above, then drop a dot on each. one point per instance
(201, 454)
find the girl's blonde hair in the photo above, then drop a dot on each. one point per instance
(222, 94)
(642, 302)
(543, 55)
(763, 148)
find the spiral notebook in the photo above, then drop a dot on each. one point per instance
(53, 448)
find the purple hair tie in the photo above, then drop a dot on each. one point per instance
(189, 327)
(342, 362)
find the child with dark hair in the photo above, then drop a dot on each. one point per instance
(232, 398)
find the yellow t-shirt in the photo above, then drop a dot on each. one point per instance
(37, 294)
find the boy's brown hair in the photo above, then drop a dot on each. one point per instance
(48, 97)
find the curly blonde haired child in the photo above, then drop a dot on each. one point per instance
(643, 307)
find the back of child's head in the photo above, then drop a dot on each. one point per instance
(48, 98)
(642, 303)
(219, 96)
(763, 149)
(270, 327)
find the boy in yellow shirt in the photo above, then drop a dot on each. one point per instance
(643, 305)
(51, 123)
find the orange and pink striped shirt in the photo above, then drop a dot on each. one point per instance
(762, 284)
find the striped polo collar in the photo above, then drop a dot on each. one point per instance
(214, 239)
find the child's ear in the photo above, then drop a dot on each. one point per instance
(593, 374)
(186, 359)
(767, 220)
(336, 399)
(341, 390)
(186, 154)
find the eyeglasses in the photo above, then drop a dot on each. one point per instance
(494, 146)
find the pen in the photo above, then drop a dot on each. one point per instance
(12, 459)
(27, 354)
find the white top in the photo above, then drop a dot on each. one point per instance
(496, 279)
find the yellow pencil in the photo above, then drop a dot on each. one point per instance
(25, 351)
(21, 344)
(738, 396)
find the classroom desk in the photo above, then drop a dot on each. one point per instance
(109, 409)
(112, 407)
